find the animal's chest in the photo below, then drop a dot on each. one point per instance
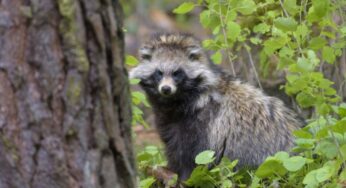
(185, 137)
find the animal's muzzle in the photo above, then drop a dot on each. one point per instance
(166, 90)
(167, 86)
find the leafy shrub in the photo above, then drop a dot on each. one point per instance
(138, 98)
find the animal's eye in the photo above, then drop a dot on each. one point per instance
(178, 75)
(157, 76)
(177, 72)
(146, 57)
(158, 72)
(194, 57)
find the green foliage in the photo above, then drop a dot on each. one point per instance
(205, 157)
(298, 37)
(131, 61)
(285, 24)
(184, 8)
(137, 98)
(221, 175)
(150, 157)
(147, 183)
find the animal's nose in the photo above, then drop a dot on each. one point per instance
(166, 90)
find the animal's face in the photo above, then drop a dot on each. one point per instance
(166, 83)
(173, 65)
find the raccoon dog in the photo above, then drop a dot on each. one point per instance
(199, 107)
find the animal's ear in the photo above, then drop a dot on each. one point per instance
(145, 53)
(194, 52)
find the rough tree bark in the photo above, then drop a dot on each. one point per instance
(64, 106)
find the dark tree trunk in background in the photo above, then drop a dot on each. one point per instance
(64, 106)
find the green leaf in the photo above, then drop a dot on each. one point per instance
(255, 40)
(323, 109)
(343, 150)
(143, 156)
(136, 110)
(301, 33)
(269, 168)
(285, 62)
(314, 60)
(282, 155)
(204, 18)
(291, 78)
(255, 182)
(209, 20)
(246, 7)
(231, 15)
(286, 24)
(294, 163)
(312, 15)
(138, 97)
(301, 133)
(184, 8)
(317, 43)
(340, 127)
(131, 61)
(286, 52)
(322, 133)
(328, 54)
(304, 65)
(200, 178)
(146, 183)
(261, 28)
(173, 181)
(217, 57)
(210, 44)
(305, 99)
(216, 30)
(152, 150)
(205, 157)
(134, 81)
(342, 176)
(310, 179)
(233, 30)
(291, 7)
(327, 148)
(324, 173)
(226, 183)
(273, 44)
(320, 7)
(342, 110)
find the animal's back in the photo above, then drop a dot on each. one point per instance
(251, 125)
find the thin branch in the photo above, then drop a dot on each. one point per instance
(253, 67)
(223, 27)
(285, 12)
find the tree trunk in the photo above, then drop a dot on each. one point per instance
(64, 98)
